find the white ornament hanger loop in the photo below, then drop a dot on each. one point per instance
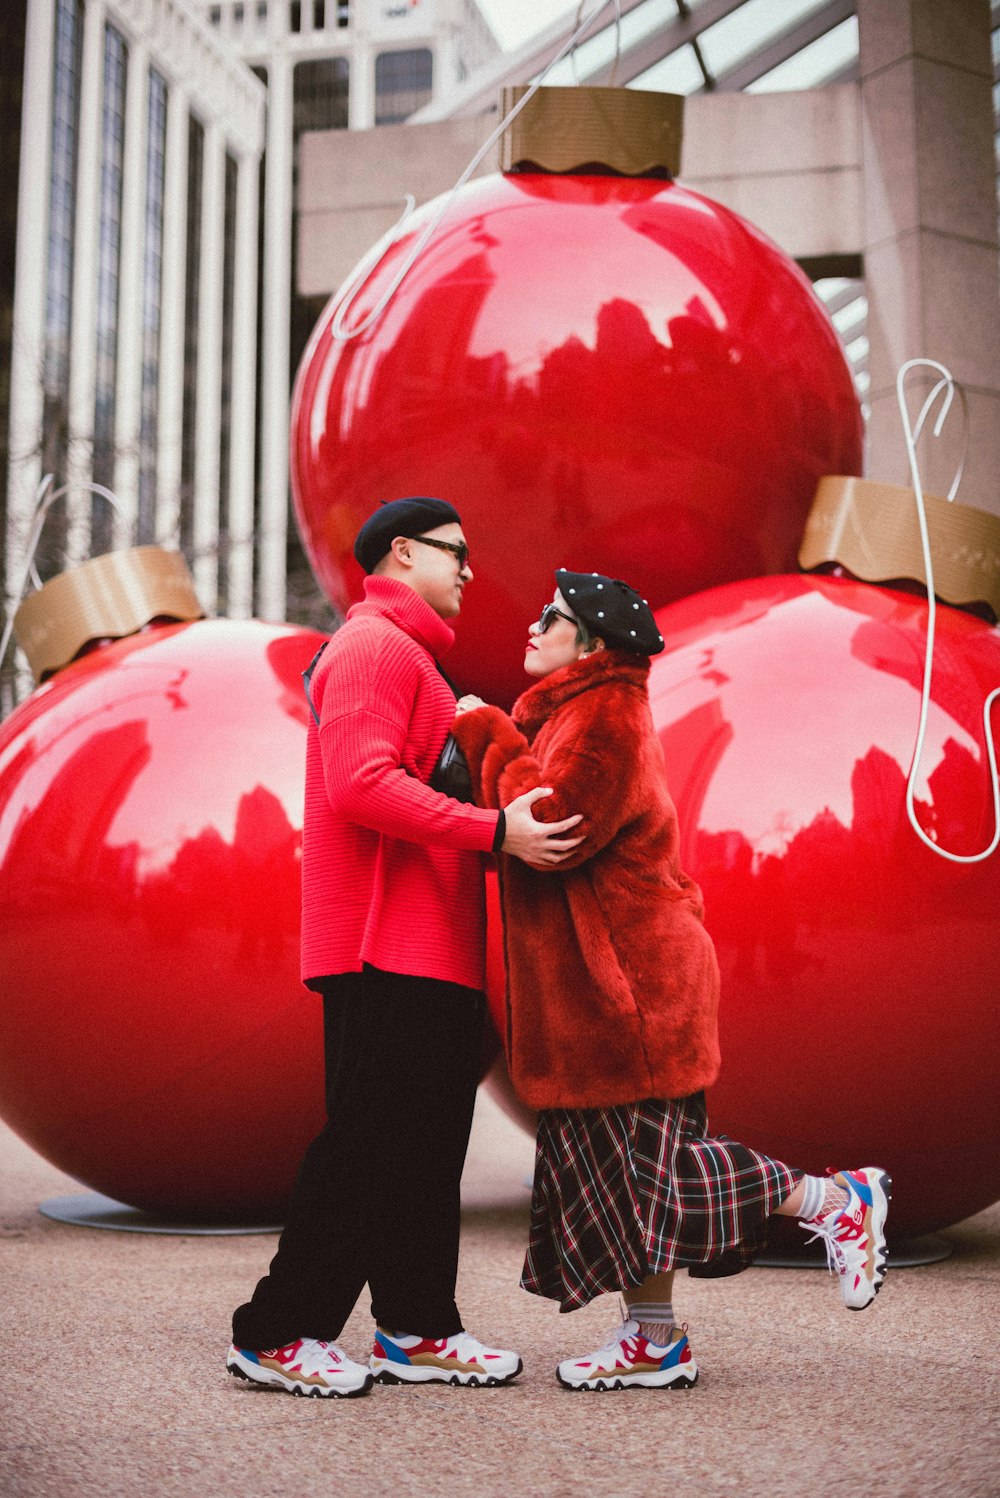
(352, 287)
(43, 504)
(947, 386)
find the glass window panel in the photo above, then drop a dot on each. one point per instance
(225, 442)
(320, 95)
(731, 40)
(403, 83)
(596, 52)
(108, 260)
(680, 73)
(152, 288)
(192, 273)
(822, 59)
(68, 44)
(515, 22)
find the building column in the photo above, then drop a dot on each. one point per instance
(244, 394)
(30, 276)
(83, 332)
(361, 87)
(930, 230)
(208, 420)
(275, 340)
(171, 388)
(128, 372)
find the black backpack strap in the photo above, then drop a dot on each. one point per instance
(307, 676)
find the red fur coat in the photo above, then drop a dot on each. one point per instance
(612, 980)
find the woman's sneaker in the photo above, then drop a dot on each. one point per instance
(854, 1235)
(461, 1359)
(629, 1361)
(302, 1367)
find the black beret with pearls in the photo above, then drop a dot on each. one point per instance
(400, 517)
(611, 609)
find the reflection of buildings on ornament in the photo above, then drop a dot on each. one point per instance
(195, 179)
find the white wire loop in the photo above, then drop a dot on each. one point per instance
(43, 504)
(353, 286)
(911, 433)
(613, 71)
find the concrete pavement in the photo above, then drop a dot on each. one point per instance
(112, 1379)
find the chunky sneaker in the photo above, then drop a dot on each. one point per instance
(303, 1367)
(449, 1360)
(854, 1236)
(629, 1361)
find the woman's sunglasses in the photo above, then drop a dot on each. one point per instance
(549, 615)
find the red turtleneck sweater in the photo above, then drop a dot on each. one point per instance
(392, 872)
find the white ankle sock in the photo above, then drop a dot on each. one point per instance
(814, 1190)
(821, 1195)
(655, 1318)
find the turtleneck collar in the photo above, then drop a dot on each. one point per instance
(391, 599)
(542, 699)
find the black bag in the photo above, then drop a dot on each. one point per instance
(450, 776)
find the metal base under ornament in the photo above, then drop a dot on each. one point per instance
(92, 1210)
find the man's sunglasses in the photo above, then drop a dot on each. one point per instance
(549, 615)
(458, 549)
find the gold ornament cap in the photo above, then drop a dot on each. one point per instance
(103, 599)
(873, 531)
(626, 132)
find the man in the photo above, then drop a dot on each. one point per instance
(393, 938)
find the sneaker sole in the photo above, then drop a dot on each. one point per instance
(681, 1378)
(881, 1197)
(266, 1378)
(394, 1373)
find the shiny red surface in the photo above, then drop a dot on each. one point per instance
(155, 1041)
(859, 971)
(600, 373)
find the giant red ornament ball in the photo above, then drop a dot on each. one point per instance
(597, 371)
(859, 1017)
(155, 1041)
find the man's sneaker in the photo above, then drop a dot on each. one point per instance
(302, 1367)
(629, 1361)
(854, 1236)
(445, 1360)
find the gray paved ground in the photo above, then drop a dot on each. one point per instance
(112, 1374)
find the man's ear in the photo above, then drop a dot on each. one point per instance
(400, 549)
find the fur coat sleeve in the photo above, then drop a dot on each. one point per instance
(585, 780)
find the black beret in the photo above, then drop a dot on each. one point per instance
(611, 609)
(400, 517)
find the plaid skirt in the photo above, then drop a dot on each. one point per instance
(625, 1192)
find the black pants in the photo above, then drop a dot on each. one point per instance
(377, 1195)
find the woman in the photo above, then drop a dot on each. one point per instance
(612, 996)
